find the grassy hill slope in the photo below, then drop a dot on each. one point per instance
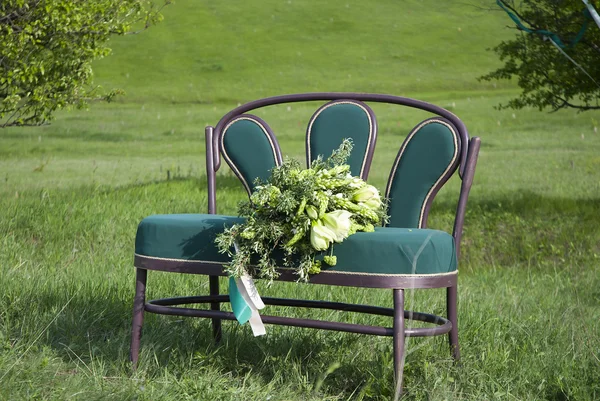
(207, 57)
(237, 50)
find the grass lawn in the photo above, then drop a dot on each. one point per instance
(72, 194)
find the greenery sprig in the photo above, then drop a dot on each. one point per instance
(299, 213)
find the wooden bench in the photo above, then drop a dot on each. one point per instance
(403, 255)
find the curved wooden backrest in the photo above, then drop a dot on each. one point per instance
(214, 134)
(336, 121)
(432, 152)
(428, 157)
(250, 149)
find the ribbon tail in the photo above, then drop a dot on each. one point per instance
(256, 324)
(247, 290)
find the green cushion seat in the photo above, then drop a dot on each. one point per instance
(387, 251)
(391, 250)
(182, 236)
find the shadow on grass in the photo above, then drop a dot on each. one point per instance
(526, 203)
(526, 229)
(224, 181)
(92, 338)
(92, 332)
(522, 204)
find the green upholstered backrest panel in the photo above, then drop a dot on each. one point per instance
(338, 120)
(250, 149)
(427, 158)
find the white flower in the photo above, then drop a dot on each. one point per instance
(365, 193)
(356, 183)
(374, 203)
(339, 223)
(312, 212)
(320, 236)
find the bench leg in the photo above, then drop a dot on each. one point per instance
(138, 314)
(216, 323)
(452, 305)
(398, 342)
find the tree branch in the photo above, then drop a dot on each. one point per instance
(19, 13)
(590, 44)
(576, 106)
(514, 10)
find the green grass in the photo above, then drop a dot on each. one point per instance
(73, 192)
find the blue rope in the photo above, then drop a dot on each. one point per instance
(554, 37)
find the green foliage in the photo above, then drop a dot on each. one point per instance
(299, 212)
(546, 77)
(46, 50)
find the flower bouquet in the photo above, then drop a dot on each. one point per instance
(297, 215)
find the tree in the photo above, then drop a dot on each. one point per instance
(46, 50)
(555, 56)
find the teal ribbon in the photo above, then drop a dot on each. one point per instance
(240, 307)
(554, 39)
